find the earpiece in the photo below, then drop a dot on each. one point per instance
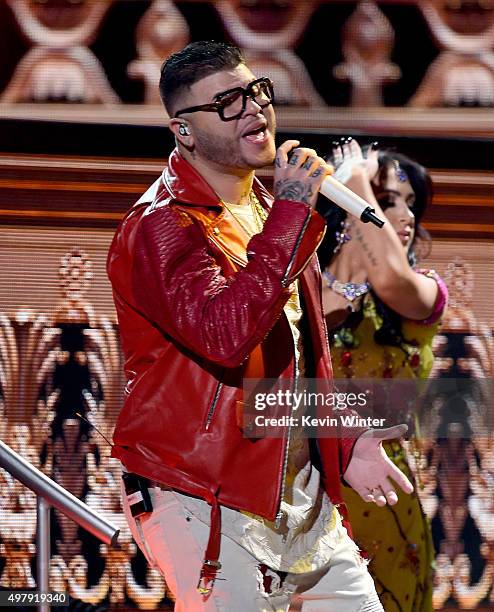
(183, 130)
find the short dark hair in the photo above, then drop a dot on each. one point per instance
(194, 62)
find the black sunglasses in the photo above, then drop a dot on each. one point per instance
(231, 104)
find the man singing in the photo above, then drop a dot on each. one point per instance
(215, 282)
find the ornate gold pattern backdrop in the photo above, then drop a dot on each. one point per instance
(98, 61)
(59, 356)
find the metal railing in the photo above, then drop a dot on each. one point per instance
(50, 493)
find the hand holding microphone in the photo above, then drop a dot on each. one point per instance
(300, 174)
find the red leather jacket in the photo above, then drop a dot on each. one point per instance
(200, 306)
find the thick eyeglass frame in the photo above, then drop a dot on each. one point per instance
(219, 106)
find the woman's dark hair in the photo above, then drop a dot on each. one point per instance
(193, 63)
(390, 332)
(421, 184)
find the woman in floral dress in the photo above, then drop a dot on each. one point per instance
(382, 312)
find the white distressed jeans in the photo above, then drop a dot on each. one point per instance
(173, 541)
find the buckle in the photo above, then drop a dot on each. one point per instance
(208, 576)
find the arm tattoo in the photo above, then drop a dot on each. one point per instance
(296, 191)
(365, 247)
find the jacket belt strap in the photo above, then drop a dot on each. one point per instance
(211, 564)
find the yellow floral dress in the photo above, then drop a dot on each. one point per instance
(397, 539)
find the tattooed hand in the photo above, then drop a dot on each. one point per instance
(300, 177)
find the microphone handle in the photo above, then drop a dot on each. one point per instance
(348, 200)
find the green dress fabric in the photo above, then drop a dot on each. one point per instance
(397, 539)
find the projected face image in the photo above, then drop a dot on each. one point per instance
(61, 14)
(265, 15)
(466, 16)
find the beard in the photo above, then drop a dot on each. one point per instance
(227, 152)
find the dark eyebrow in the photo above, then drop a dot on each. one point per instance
(393, 191)
(409, 197)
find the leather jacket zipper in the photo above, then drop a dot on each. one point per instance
(284, 280)
(279, 514)
(212, 407)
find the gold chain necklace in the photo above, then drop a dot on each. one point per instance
(262, 213)
(258, 213)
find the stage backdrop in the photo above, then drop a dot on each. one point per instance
(81, 136)
(59, 356)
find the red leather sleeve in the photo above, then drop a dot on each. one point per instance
(177, 284)
(346, 447)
